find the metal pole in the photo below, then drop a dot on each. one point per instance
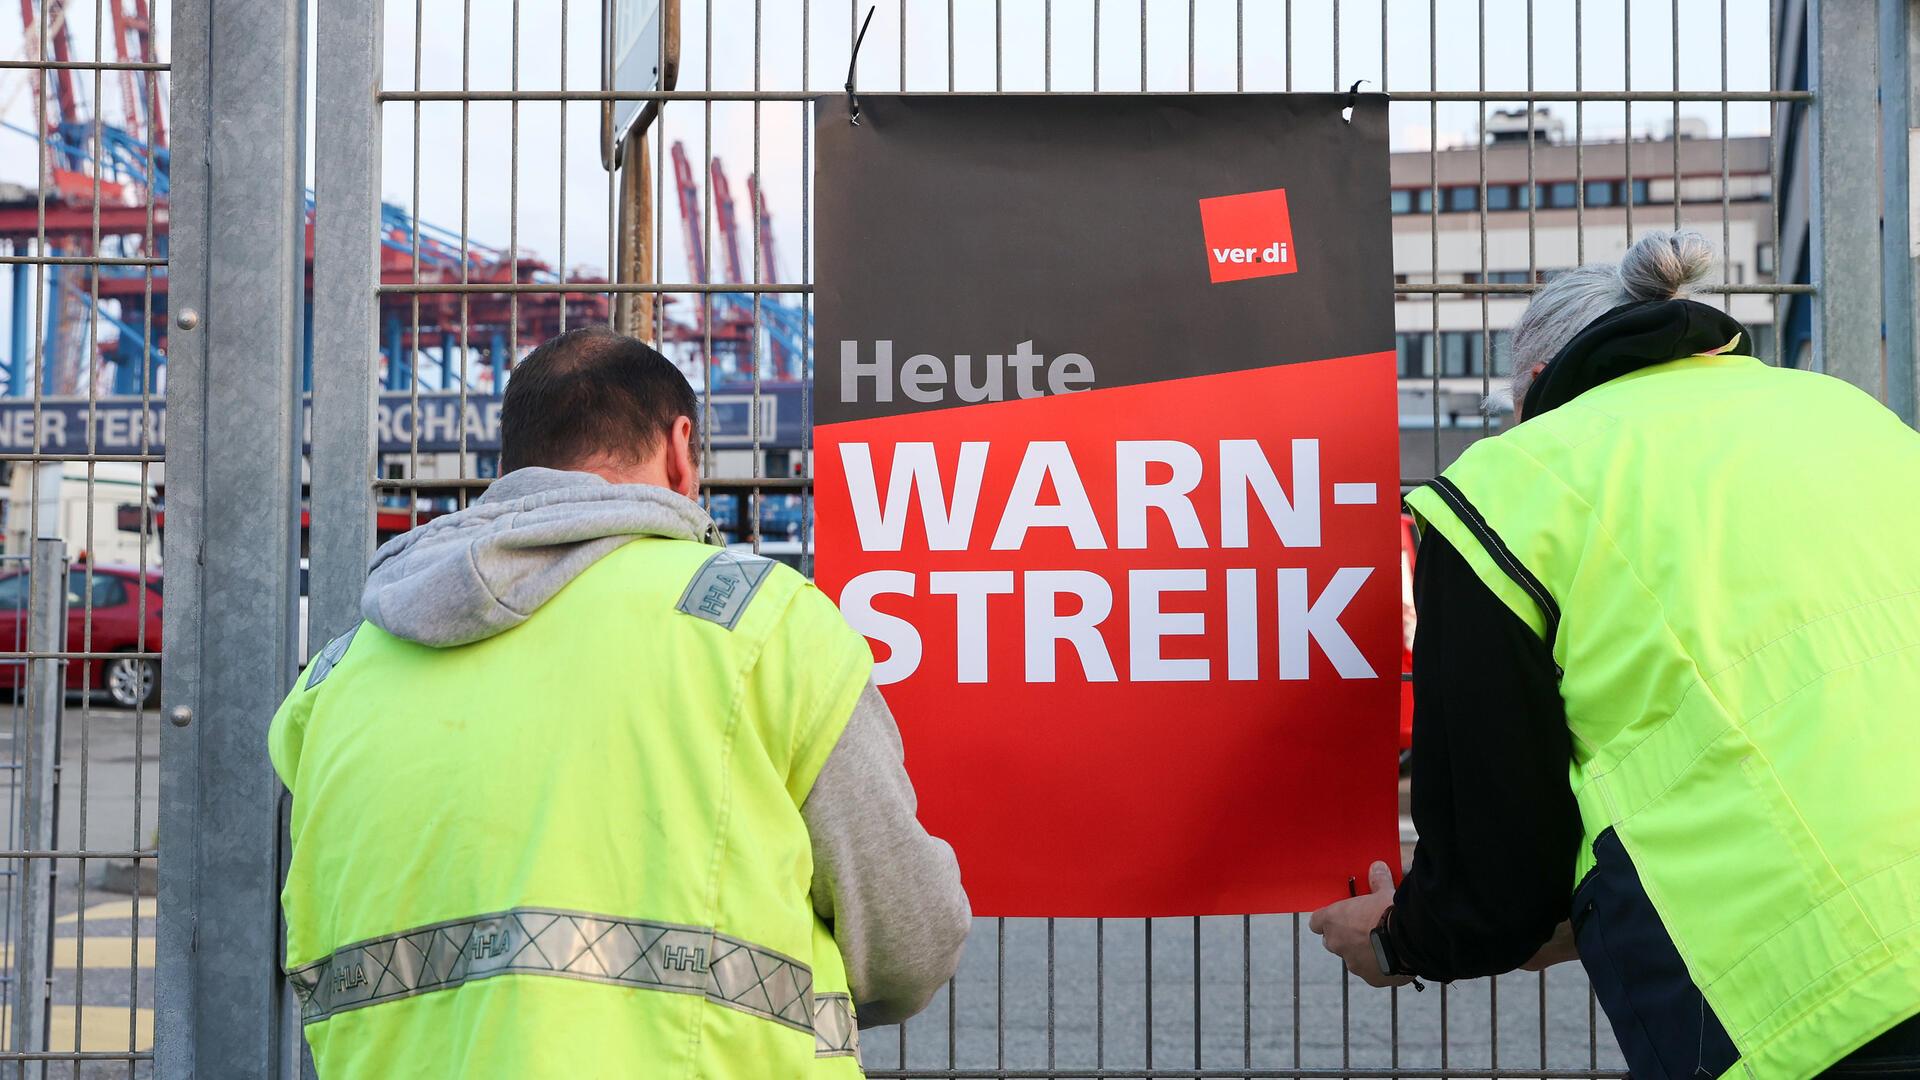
(634, 312)
(17, 365)
(39, 759)
(1900, 245)
(398, 371)
(346, 259)
(1843, 58)
(346, 273)
(238, 208)
(48, 371)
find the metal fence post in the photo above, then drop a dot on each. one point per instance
(1843, 57)
(39, 759)
(233, 483)
(633, 313)
(346, 279)
(1900, 244)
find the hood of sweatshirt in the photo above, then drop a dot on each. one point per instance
(1628, 338)
(475, 573)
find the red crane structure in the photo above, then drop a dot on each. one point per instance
(133, 37)
(690, 214)
(106, 191)
(729, 225)
(769, 266)
(105, 197)
(106, 194)
(731, 323)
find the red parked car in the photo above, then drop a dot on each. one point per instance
(117, 620)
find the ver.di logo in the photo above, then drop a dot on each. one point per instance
(1248, 236)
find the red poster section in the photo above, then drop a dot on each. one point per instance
(1142, 642)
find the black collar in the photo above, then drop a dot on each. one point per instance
(1626, 339)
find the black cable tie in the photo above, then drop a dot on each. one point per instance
(1353, 98)
(853, 64)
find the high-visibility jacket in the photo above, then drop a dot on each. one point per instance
(575, 849)
(1725, 560)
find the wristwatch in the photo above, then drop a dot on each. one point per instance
(1382, 938)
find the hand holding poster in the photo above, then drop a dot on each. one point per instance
(1107, 471)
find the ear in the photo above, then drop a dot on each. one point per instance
(683, 475)
(1520, 401)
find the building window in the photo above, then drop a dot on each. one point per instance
(1640, 196)
(1510, 277)
(1503, 352)
(1559, 195)
(1763, 257)
(1459, 353)
(1413, 200)
(1463, 198)
(1416, 354)
(1599, 193)
(1500, 197)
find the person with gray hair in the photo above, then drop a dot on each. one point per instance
(1662, 266)
(1664, 680)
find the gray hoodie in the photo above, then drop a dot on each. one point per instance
(890, 891)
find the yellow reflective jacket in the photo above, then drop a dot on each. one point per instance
(574, 848)
(1722, 556)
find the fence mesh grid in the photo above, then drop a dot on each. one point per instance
(83, 227)
(1665, 131)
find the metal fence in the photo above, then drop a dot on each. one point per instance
(82, 244)
(444, 108)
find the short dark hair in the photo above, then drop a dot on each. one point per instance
(590, 395)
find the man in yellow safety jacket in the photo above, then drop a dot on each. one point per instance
(589, 795)
(1666, 686)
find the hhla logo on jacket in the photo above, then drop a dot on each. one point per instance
(1248, 235)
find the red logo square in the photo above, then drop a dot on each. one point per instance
(1248, 235)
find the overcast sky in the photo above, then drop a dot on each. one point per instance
(720, 49)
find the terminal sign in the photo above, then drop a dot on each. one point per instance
(434, 422)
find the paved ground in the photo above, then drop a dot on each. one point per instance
(1245, 972)
(103, 942)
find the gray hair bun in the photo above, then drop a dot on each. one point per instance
(1664, 265)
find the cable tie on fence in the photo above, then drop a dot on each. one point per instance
(1353, 98)
(853, 65)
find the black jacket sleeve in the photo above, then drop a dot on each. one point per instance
(1492, 874)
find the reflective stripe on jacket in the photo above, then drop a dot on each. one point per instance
(1722, 557)
(575, 848)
